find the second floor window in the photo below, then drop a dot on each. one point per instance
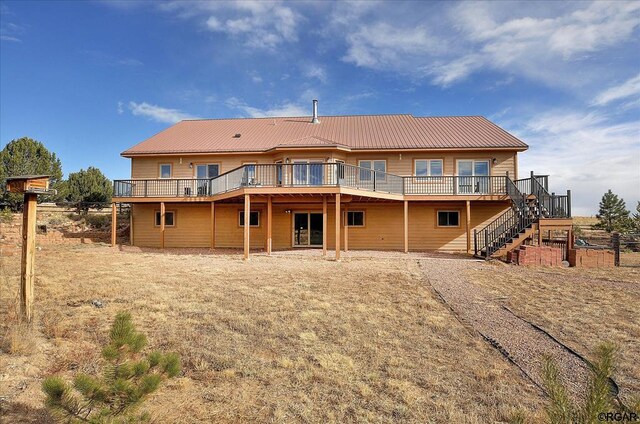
(377, 166)
(207, 171)
(165, 170)
(429, 168)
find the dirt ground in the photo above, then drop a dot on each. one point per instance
(291, 338)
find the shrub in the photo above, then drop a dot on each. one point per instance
(599, 397)
(6, 216)
(128, 378)
(98, 221)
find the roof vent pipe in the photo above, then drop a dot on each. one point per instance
(315, 119)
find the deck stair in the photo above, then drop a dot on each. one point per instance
(530, 201)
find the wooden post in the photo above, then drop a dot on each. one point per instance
(615, 241)
(539, 235)
(247, 224)
(213, 225)
(569, 238)
(114, 224)
(131, 224)
(269, 224)
(468, 226)
(162, 212)
(337, 226)
(345, 224)
(406, 226)
(28, 256)
(324, 225)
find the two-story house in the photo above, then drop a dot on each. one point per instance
(387, 182)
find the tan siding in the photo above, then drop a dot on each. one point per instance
(397, 163)
(383, 228)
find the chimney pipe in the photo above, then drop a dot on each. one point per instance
(315, 119)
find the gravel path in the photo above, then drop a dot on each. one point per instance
(521, 342)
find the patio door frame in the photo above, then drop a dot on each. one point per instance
(467, 183)
(293, 225)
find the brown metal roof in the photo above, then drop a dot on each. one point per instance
(365, 132)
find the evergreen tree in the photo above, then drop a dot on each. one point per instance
(613, 214)
(636, 219)
(25, 156)
(90, 187)
(127, 380)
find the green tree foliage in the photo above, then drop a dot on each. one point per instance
(613, 214)
(636, 219)
(89, 188)
(599, 397)
(25, 156)
(128, 378)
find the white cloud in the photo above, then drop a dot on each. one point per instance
(447, 43)
(314, 70)
(286, 109)
(120, 108)
(10, 31)
(585, 152)
(158, 113)
(630, 88)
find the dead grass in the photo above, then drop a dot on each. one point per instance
(281, 339)
(580, 307)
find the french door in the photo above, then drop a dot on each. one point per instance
(473, 176)
(307, 172)
(307, 229)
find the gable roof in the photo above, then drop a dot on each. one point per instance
(358, 132)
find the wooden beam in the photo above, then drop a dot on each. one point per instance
(269, 224)
(468, 219)
(247, 224)
(346, 227)
(162, 211)
(131, 224)
(337, 226)
(213, 225)
(114, 224)
(324, 225)
(406, 226)
(28, 255)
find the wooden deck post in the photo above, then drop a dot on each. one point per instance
(345, 224)
(324, 225)
(406, 226)
(337, 226)
(131, 224)
(114, 224)
(28, 255)
(269, 224)
(468, 219)
(162, 225)
(247, 224)
(213, 225)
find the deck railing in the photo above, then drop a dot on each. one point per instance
(311, 175)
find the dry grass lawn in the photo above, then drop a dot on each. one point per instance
(281, 339)
(580, 307)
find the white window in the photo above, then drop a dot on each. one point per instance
(355, 218)
(254, 218)
(165, 170)
(448, 218)
(473, 168)
(429, 168)
(250, 168)
(378, 166)
(169, 219)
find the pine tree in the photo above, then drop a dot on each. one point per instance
(613, 214)
(25, 156)
(636, 219)
(127, 380)
(88, 188)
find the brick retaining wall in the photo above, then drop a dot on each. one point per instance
(536, 255)
(591, 258)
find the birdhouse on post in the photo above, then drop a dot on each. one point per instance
(30, 186)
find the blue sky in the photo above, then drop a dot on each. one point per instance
(90, 79)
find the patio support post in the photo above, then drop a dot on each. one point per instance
(346, 227)
(406, 226)
(337, 226)
(468, 219)
(324, 225)
(213, 225)
(131, 224)
(114, 224)
(247, 224)
(269, 224)
(27, 275)
(162, 225)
